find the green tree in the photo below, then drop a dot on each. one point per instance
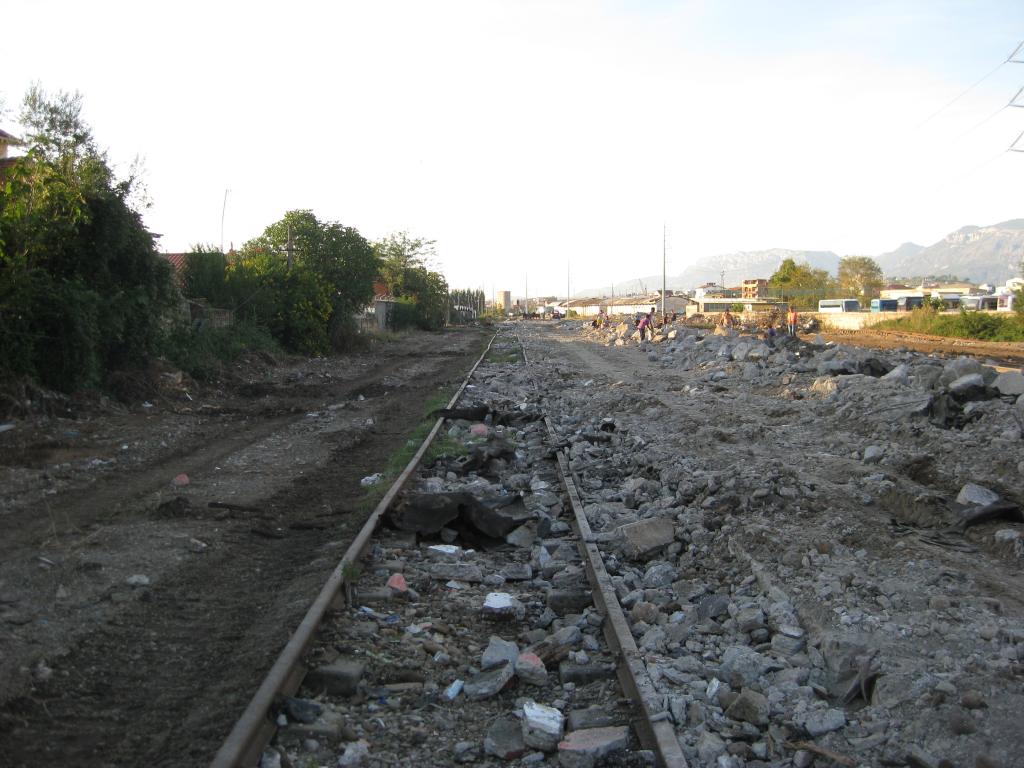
(405, 269)
(860, 277)
(205, 276)
(341, 261)
(800, 285)
(82, 289)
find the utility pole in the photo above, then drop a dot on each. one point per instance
(664, 279)
(568, 295)
(526, 299)
(223, 210)
(722, 273)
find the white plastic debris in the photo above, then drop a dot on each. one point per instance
(452, 691)
(373, 479)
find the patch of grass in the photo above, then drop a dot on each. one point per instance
(504, 356)
(398, 460)
(963, 325)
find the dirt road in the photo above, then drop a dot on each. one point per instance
(135, 619)
(1008, 354)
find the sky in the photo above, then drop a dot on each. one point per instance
(537, 141)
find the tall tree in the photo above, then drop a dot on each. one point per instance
(82, 289)
(405, 268)
(800, 285)
(342, 259)
(860, 276)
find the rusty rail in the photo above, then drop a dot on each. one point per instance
(254, 729)
(654, 728)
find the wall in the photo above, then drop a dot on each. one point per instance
(851, 321)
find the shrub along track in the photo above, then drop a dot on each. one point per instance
(154, 676)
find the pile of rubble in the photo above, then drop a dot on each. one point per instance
(785, 522)
(812, 545)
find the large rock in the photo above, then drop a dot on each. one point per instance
(1009, 383)
(498, 651)
(976, 495)
(750, 707)
(742, 666)
(489, 683)
(967, 386)
(504, 739)
(645, 537)
(542, 726)
(499, 517)
(582, 749)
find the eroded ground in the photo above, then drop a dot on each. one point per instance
(135, 619)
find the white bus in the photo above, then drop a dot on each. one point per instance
(839, 305)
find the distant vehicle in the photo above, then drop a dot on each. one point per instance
(884, 305)
(907, 303)
(839, 305)
(1007, 302)
(556, 315)
(979, 302)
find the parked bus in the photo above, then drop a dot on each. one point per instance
(1007, 302)
(907, 303)
(839, 305)
(884, 305)
(979, 302)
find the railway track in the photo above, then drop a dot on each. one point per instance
(473, 643)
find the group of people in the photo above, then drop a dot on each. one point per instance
(645, 322)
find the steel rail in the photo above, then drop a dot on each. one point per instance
(254, 729)
(654, 727)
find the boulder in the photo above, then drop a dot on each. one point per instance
(645, 537)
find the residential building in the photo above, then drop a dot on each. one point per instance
(755, 288)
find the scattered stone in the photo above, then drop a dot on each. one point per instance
(972, 700)
(822, 721)
(339, 678)
(498, 651)
(137, 580)
(502, 605)
(504, 739)
(531, 670)
(489, 682)
(583, 748)
(1009, 383)
(355, 753)
(750, 706)
(709, 746)
(646, 537)
(976, 495)
(542, 726)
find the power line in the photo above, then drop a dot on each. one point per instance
(1008, 60)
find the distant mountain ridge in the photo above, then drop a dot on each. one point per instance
(738, 266)
(989, 254)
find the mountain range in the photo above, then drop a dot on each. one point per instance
(988, 254)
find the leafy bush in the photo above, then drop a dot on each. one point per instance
(82, 289)
(965, 324)
(202, 353)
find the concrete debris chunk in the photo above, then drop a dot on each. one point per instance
(584, 748)
(502, 605)
(489, 682)
(504, 739)
(542, 726)
(498, 651)
(645, 537)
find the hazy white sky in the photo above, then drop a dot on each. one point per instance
(523, 136)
